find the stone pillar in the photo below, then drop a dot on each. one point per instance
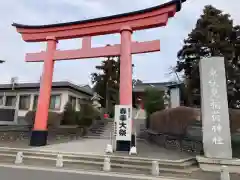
(214, 109)
(166, 99)
(174, 97)
(39, 133)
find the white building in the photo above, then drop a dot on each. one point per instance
(17, 99)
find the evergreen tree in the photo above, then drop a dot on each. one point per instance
(234, 72)
(106, 81)
(214, 35)
(136, 82)
(153, 101)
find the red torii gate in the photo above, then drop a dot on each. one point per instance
(124, 24)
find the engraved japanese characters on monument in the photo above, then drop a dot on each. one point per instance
(214, 108)
(123, 117)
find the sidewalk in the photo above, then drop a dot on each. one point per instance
(98, 146)
(85, 145)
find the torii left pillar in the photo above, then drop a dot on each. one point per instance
(40, 132)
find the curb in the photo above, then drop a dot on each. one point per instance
(70, 160)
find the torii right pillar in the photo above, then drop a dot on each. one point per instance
(125, 91)
(126, 67)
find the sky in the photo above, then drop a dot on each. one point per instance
(151, 67)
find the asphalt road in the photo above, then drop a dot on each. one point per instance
(16, 172)
(7, 173)
(26, 174)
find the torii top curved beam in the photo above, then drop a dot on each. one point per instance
(148, 18)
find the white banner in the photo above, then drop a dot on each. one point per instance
(123, 121)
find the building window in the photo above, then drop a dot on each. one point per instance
(24, 102)
(35, 102)
(10, 101)
(55, 102)
(1, 100)
(73, 101)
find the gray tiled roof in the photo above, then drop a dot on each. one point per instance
(85, 88)
(162, 86)
(60, 84)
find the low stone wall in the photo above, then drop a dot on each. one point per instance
(10, 134)
(191, 141)
(216, 165)
(183, 144)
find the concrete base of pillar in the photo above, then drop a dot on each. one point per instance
(38, 138)
(133, 140)
(123, 146)
(133, 151)
(109, 149)
(216, 165)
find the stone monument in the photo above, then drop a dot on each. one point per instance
(214, 109)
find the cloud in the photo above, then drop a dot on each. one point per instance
(148, 67)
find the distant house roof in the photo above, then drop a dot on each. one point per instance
(61, 84)
(159, 85)
(86, 89)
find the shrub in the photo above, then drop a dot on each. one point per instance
(87, 114)
(112, 113)
(54, 118)
(234, 115)
(153, 101)
(70, 116)
(174, 120)
(85, 121)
